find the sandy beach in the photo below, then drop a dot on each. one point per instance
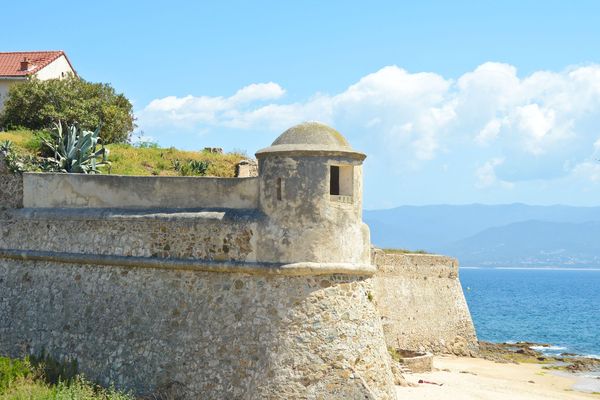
(466, 378)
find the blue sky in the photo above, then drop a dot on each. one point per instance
(454, 102)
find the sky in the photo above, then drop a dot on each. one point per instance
(453, 102)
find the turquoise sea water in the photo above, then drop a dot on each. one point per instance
(558, 307)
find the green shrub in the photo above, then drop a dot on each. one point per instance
(43, 378)
(81, 389)
(78, 389)
(13, 370)
(17, 162)
(198, 167)
(146, 145)
(191, 167)
(35, 104)
(53, 371)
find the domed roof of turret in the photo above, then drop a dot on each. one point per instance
(312, 138)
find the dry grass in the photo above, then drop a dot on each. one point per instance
(130, 160)
(26, 142)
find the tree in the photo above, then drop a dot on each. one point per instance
(36, 104)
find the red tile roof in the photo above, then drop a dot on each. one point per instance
(10, 63)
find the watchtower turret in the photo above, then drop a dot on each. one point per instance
(311, 191)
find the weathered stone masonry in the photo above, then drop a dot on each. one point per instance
(221, 288)
(11, 187)
(421, 303)
(219, 335)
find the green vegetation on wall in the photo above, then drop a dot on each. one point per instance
(405, 251)
(43, 379)
(36, 104)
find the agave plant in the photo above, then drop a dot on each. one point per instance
(6, 147)
(191, 167)
(76, 150)
(13, 161)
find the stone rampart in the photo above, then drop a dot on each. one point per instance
(11, 187)
(209, 335)
(226, 235)
(152, 300)
(422, 305)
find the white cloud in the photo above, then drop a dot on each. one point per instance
(486, 175)
(535, 124)
(489, 132)
(587, 170)
(490, 89)
(257, 91)
(514, 128)
(189, 111)
(535, 121)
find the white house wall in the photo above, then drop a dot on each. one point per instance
(4, 85)
(56, 69)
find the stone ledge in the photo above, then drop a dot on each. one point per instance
(414, 264)
(123, 214)
(251, 268)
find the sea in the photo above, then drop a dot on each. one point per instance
(558, 307)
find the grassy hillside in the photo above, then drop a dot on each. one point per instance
(26, 142)
(134, 160)
(130, 160)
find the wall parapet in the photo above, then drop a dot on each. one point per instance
(56, 190)
(415, 264)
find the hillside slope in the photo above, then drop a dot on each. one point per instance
(531, 244)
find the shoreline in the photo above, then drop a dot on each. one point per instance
(465, 378)
(545, 350)
(550, 356)
(538, 268)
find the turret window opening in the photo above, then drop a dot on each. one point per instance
(279, 189)
(341, 182)
(334, 180)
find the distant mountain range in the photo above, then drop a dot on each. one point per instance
(511, 235)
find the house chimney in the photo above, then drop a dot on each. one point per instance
(25, 64)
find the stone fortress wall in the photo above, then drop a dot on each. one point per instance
(213, 335)
(11, 187)
(259, 287)
(422, 305)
